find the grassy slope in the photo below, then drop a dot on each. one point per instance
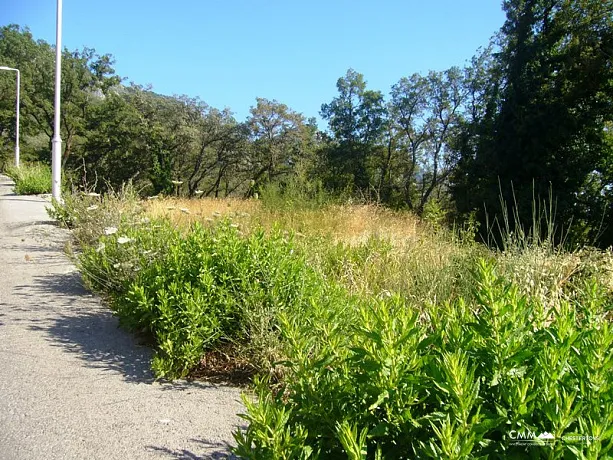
(333, 301)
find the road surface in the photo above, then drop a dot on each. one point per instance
(72, 384)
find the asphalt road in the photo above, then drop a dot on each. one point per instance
(72, 384)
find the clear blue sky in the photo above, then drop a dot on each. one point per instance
(228, 52)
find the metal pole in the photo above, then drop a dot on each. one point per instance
(56, 143)
(16, 113)
(17, 120)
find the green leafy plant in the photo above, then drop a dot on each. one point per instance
(193, 291)
(88, 214)
(459, 380)
(31, 179)
(377, 349)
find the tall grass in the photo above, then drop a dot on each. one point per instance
(30, 179)
(372, 335)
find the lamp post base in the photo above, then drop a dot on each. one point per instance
(56, 169)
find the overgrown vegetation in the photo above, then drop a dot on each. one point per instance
(396, 379)
(529, 115)
(370, 332)
(30, 179)
(367, 337)
(205, 289)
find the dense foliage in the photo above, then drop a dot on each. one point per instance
(454, 380)
(545, 118)
(528, 119)
(200, 291)
(379, 349)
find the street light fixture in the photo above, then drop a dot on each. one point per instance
(56, 142)
(17, 114)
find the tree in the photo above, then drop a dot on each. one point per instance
(357, 121)
(280, 140)
(221, 143)
(116, 144)
(426, 113)
(86, 78)
(18, 49)
(544, 126)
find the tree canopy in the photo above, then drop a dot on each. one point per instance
(529, 117)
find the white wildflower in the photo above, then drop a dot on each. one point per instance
(123, 240)
(234, 225)
(198, 192)
(92, 207)
(110, 230)
(177, 182)
(100, 247)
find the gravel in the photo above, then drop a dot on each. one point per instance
(72, 384)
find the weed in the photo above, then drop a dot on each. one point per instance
(368, 337)
(30, 179)
(387, 384)
(88, 214)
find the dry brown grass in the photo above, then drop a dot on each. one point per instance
(348, 224)
(411, 258)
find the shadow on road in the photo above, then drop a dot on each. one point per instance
(74, 320)
(215, 451)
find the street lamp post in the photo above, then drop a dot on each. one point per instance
(56, 143)
(17, 113)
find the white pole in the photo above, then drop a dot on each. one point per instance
(56, 143)
(17, 120)
(16, 114)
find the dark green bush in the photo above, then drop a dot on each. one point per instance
(197, 290)
(457, 380)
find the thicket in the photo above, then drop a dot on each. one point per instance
(201, 289)
(395, 379)
(366, 349)
(529, 115)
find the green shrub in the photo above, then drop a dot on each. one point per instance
(457, 380)
(31, 179)
(88, 214)
(197, 290)
(375, 349)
